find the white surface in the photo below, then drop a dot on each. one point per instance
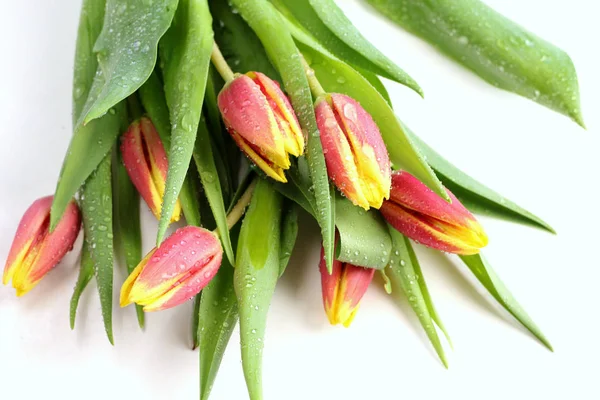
(530, 154)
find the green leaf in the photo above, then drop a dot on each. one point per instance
(405, 274)
(280, 47)
(185, 52)
(255, 276)
(128, 232)
(289, 234)
(86, 273)
(96, 208)
(494, 47)
(364, 236)
(492, 283)
(126, 50)
(212, 186)
(92, 142)
(330, 26)
(238, 43)
(153, 100)
(337, 77)
(218, 314)
(474, 195)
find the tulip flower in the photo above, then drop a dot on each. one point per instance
(174, 272)
(343, 289)
(146, 162)
(356, 157)
(35, 250)
(262, 122)
(417, 212)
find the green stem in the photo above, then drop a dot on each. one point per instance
(220, 63)
(240, 207)
(315, 86)
(134, 107)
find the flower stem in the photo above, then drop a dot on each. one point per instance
(315, 86)
(240, 207)
(220, 63)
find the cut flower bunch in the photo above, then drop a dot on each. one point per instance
(231, 120)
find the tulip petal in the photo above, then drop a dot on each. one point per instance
(188, 288)
(370, 154)
(35, 251)
(181, 266)
(338, 155)
(271, 170)
(283, 111)
(433, 233)
(145, 158)
(245, 110)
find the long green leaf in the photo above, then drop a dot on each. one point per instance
(255, 276)
(474, 195)
(86, 273)
(330, 26)
(92, 142)
(153, 100)
(405, 274)
(217, 316)
(128, 232)
(212, 186)
(492, 283)
(336, 76)
(289, 234)
(280, 47)
(364, 236)
(494, 47)
(127, 50)
(185, 52)
(96, 208)
(237, 41)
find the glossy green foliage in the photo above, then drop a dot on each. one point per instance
(86, 273)
(127, 229)
(97, 211)
(289, 234)
(209, 175)
(264, 19)
(494, 47)
(185, 56)
(492, 283)
(364, 236)
(126, 49)
(334, 31)
(255, 276)
(90, 143)
(152, 96)
(405, 274)
(217, 316)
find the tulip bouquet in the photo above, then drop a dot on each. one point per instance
(239, 117)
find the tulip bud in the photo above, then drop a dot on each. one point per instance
(356, 157)
(262, 122)
(343, 289)
(35, 250)
(417, 212)
(174, 272)
(146, 162)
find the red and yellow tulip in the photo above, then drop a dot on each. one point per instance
(417, 212)
(343, 289)
(35, 250)
(146, 162)
(174, 272)
(261, 120)
(357, 160)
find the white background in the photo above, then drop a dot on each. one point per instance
(534, 156)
